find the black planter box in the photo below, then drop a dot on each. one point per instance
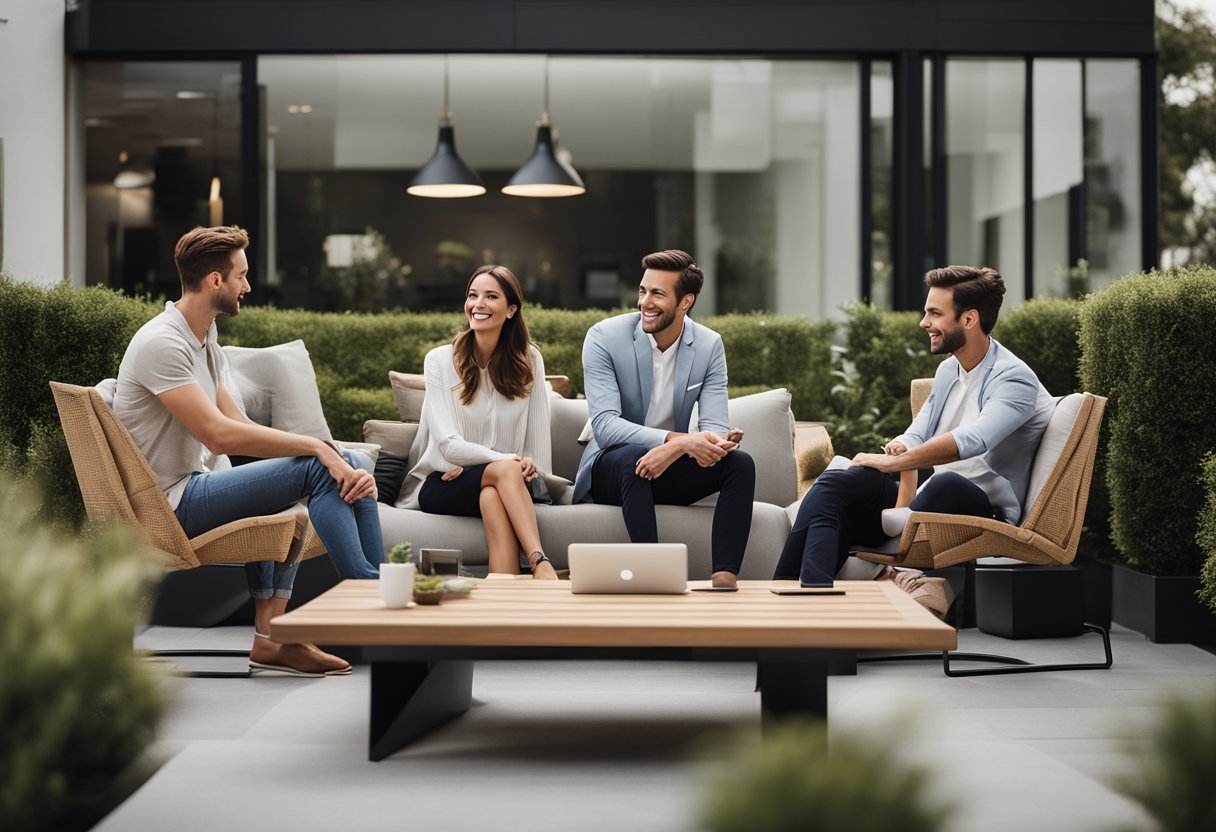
(1163, 608)
(1029, 601)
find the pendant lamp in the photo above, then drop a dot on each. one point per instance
(131, 176)
(446, 176)
(544, 174)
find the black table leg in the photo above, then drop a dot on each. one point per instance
(410, 699)
(793, 689)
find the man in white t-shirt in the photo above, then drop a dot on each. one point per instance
(978, 431)
(172, 395)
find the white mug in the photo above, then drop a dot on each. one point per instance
(396, 584)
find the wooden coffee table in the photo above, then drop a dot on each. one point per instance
(422, 658)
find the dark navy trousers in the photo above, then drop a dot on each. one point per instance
(614, 481)
(844, 508)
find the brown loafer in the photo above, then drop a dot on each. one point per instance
(930, 593)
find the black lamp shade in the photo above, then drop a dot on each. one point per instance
(446, 175)
(544, 175)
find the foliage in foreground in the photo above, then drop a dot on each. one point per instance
(792, 778)
(1176, 767)
(76, 704)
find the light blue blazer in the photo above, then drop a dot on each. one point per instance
(1014, 411)
(618, 371)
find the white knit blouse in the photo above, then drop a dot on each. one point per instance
(489, 428)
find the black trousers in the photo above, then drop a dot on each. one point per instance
(614, 481)
(844, 507)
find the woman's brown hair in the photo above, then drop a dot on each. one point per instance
(511, 364)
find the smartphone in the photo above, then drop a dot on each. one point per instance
(807, 590)
(714, 588)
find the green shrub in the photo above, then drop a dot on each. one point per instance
(1146, 345)
(1176, 766)
(1043, 333)
(76, 336)
(873, 370)
(771, 351)
(77, 705)
(1206, 535)
(792, 780)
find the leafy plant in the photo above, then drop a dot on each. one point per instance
(400, 553)
(1176, 767)
(77, 704)
(793, 780)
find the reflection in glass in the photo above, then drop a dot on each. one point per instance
(882, 149)
(1058, 175)
(751, 165)
(985, 106)
(1112, 168)
(162, 156)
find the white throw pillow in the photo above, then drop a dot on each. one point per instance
(279, 388)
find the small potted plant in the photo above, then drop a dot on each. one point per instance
(428, 589)
(397, 578)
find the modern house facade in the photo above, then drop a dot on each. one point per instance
(808, 153)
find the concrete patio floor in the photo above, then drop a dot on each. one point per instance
(613, 745)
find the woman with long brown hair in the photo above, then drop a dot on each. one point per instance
(485, 424)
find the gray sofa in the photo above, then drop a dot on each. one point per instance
(769, 429)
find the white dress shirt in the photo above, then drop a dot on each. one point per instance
(662, 411)
(489, 428)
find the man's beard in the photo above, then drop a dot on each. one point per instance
(665, 320)
(951, 342)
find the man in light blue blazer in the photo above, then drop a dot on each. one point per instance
(978, 431)
(642, 373)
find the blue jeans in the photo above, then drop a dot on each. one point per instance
(351, 533)
(844, 507)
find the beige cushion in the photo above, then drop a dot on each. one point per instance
(1052, 443)
(409, 389)
(278, 388)
(394, 437)
(768, 436)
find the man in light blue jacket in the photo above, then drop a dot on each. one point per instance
(642, 373)
(978, 430)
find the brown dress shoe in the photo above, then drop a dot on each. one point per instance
(930, 593)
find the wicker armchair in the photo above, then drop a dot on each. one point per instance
(116, 482)
(1050, 530)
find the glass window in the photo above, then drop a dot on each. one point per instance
(1112, 169)
(882, 149)
(162, 156)
(985, 170)
(1058, 175)
(750, 165)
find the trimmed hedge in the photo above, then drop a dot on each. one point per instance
(1146, 345)
(1043, 333)
(1206, 534)
(77, 336)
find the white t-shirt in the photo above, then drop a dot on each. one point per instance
(662, 411)
(165, 355)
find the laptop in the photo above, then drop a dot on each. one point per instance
(628, 568)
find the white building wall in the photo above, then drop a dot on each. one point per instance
(32, 107)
